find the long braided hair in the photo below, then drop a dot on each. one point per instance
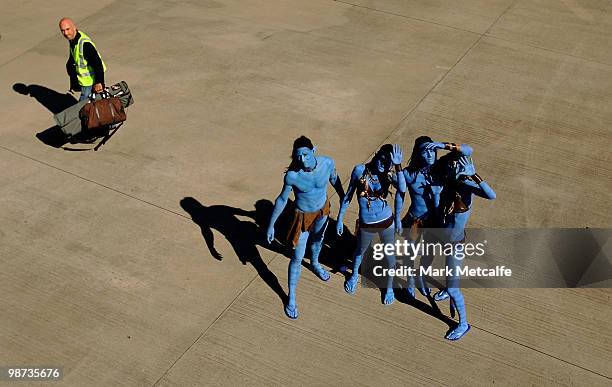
(383, 155)
(416, 162)
(444, 170)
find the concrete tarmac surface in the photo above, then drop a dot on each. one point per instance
(106, 274)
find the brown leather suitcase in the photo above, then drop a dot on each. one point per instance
(103, 112)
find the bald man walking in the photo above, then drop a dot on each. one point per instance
(85, 65)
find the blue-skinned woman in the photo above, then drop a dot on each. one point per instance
(424, 194)
(372, 183)
(460, 184)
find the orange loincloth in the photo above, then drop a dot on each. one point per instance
(304, 221)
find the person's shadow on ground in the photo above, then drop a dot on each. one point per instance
(431, 308)
(337, 251)
(243, 236)
(400, 286)
(53, 101)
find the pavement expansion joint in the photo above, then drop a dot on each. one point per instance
(486, 34)
(470, 45)
(405, 16)
(415, 107)
(93, 182)
(213, 322)
(53, 36)
(561, 53)
(542, 352)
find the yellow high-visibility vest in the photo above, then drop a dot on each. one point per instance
(85, 74)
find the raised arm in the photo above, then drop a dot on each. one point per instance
(399, 181)
(346, 199)
(464, 149)
(279, 206)
(396, 158)
(478, 185)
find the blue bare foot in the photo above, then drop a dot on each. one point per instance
(389, 297)
(321, 273)
(350, 285)
(291, 311)
(458, 332)
(411, 293)
(425, 292)
(441, 295)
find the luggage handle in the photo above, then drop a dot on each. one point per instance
(104, 94)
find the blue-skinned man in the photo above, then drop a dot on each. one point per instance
(460, 183)
(307, 176)
(424, 196)
(372, 182)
